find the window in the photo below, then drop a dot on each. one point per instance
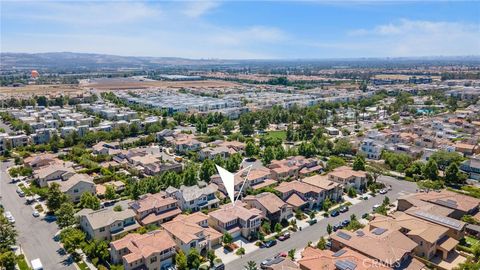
(102, 229)
(154, 259)
(75, 190)
(193, 244)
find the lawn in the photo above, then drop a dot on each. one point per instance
(471, 241)
(22, 264)
(83, 265)
(281, 134)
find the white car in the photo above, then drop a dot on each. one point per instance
(35, 213)
(376, 206)
(9, 217)
(383, 191)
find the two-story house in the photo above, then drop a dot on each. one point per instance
(192, 231)
(272, 207)
(236, 220)
(151, 251)
(106, 223)
(155, 208)
(349, 178)
(300, 195)
(195, 198)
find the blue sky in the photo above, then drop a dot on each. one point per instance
(243, 29)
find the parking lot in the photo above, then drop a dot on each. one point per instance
(35, 236)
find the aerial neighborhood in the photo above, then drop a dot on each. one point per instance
(330, 172)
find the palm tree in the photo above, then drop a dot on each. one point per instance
(251, 265)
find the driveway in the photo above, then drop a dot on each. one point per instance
(300, 239)
(35, 236)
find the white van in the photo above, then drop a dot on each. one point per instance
(37, 264)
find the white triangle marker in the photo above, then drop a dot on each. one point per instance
(228, 180)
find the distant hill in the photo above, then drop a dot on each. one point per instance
(92, 61)
(88, 62)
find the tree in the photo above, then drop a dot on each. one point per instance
(8, 234)
(278, 228)
(395, 117)
(207, 170)
(211, 257)
(55, 197)
(97, 249)
(386, 201)
(280, 152)
(110, 193)
(322, 244)
(65, 215)
(251, 149)
(7, 260)
(327, 203)
(329, 229)
(227, 238)
(342, 147)
(359, 163)
(335, 162)
(88, 200)
(268, 155)
(251, 265)
(430, 171)
(181, 260)
(291, 253)
(228, 126)
(352, 192)
(71, 238)
(246, 122)
(190, 176)
(193, 259)
(453, 175)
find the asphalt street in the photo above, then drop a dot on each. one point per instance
(300, 239)
(35, 236)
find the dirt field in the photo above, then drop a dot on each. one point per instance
(113, 84)
(42, 90)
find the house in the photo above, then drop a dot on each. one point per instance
(155, 209)
(332, 190)
(459, 204)
(332, 131)
(104, 148)
(236, 220)
(290, 167)
(259, 178)
(281, 263)
(52, 172)
(185, 143)
(106, 223)
(76, 185)
(151, 251)
(272, 207)
(213, 152)
(371, 148)
(388, 247)
(467, 149)
(345, 259)
(431, 239)
(195, 198)
(472, 167)
(349, 178)
(300, 195)
(193, 231)
(41, 160)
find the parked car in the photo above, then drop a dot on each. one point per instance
(284, 237)
(376, 206)
(365, 197)
(345, 222)
(365, 215)
(336, 228)
(266, 263)
(312, 221)
(383, 191)
(343, 209)
(8, 215)
(281, 254)
(334, 213)
(269, 243)
(35, 213)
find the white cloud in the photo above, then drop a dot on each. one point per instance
(198, 8)
(418, 38)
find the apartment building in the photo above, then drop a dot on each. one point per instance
(331, 190)
(300, 195)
